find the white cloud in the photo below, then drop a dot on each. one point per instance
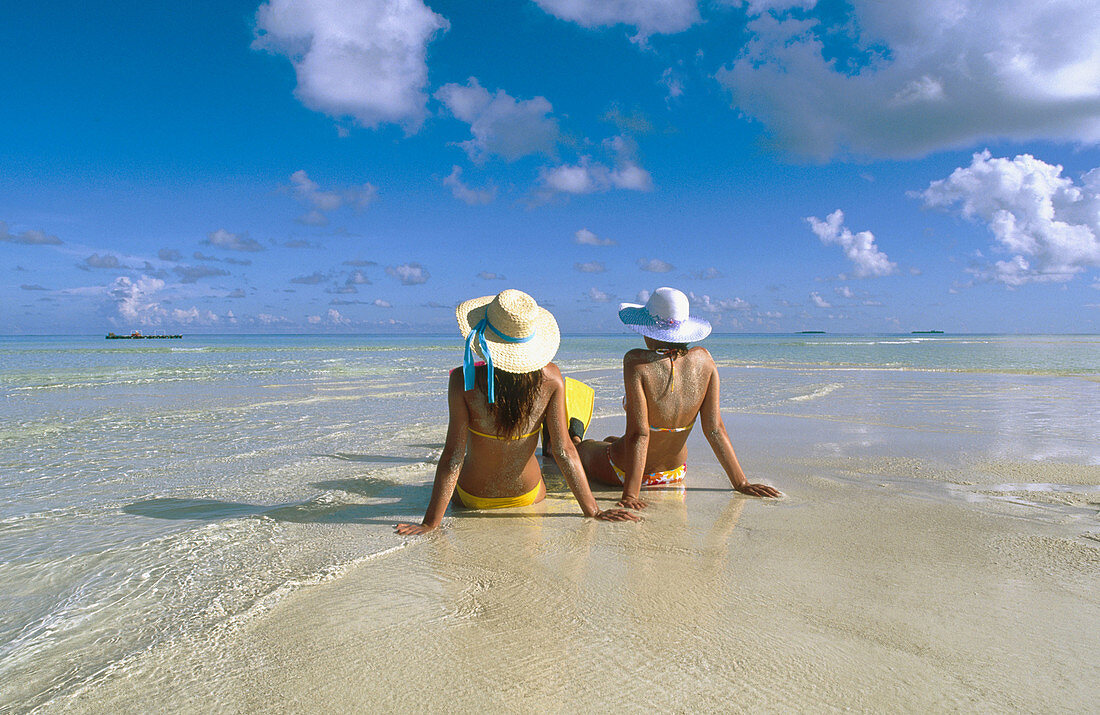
(363, 59)
(311, 280)
(465, 193)
(597, 296)
(708, 273)
(194, 316)
(30, 237)
(844, 292)
(587, 238)
(501, 125)
(191, 274)
(650, 17)
(655, 265)
(490, 276)
(378, 302)
(859, 248)
(135, 299)
(642, 297)
(706, 304)
(819, 301)
(232, 241)
(903, 79)
(321, 202)
(408, 273)
(587, 176)
(1048, 224)
(590, 267)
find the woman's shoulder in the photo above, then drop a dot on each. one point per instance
(553, 373)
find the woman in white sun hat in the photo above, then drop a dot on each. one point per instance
(668, 385)
(496, 412)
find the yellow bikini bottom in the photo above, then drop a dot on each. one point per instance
(471, 502)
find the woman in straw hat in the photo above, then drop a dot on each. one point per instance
(668, 385)
(496, 412)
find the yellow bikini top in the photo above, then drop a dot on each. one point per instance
(504, 439)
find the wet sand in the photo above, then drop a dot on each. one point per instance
(880, 583)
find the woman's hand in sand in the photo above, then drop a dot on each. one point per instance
(759, 490)
(413, 529)
(632, 503)
(616, 515)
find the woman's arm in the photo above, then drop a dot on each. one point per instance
(450, 461)
(636, 438)
(715, 429)
(565, 454)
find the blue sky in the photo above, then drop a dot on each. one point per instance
(339, 166)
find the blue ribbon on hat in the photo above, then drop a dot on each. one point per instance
(478, 334)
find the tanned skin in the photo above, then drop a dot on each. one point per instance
(500, 468)
(656, 395)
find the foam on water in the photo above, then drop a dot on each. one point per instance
(152, 495)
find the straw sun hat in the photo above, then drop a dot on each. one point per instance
(665, 317)
(520, 336)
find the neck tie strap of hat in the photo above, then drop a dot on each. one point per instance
(478, 334)
(671, 354)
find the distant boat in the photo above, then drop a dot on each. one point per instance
(926, 332)
(811, 332)
(136, 335)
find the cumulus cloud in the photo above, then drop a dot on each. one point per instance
(363, 59)
(706, 304)
(501, 125)
(1048, 224)
(232, 241)
(590, 267)
(489, 276)
(311, 280)
(708, 273)
(844, 292)
(107, 260)
(819, 301)
(30, 238)
(194, 316)
(408, 273)
(357, 278)
(135, 299)
(169, 254)
(859, 248)
(308, 192)
(598, 296)
(382, 303)
(902, 79)
(462, 192)
(650, 17)
(190, 274)
(588, 176)
(655, 265)
(587, 238)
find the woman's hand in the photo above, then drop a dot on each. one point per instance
(759, 490)
(632, 503)
(413, 529)
(616, 515)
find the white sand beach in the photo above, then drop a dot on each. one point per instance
(875, 585)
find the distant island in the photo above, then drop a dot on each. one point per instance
(136, 335)
(811, 332)
(926, 332)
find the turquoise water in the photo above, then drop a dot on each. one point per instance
(158, 492)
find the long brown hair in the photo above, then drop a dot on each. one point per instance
(515, 398)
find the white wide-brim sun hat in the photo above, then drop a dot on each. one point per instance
(521, 336)
(665, 317)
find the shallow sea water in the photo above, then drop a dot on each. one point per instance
(159, 492)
